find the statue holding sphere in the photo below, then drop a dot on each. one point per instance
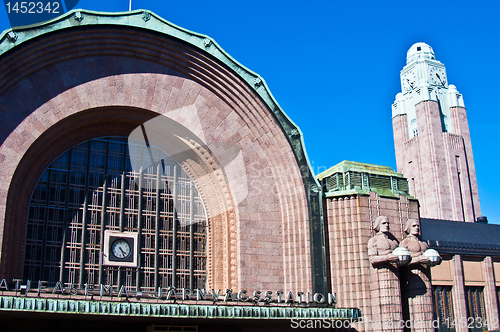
(383, 247)
(419, 251)
(385, 256)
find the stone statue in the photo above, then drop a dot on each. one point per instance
(416, 285)
(385, 288)
(413, 243)
(381, 246)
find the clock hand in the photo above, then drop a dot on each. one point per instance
(123, 252)
(440, 80)
(410, 83)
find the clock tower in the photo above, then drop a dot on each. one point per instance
(432, 139)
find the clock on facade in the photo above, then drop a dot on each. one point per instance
(438, 76)
(408, 80)
(120, 248)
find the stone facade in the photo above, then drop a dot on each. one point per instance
(120, 79)
(432, 140)
(269, 225)
(378, 291)
(439, 165)
(460, 272)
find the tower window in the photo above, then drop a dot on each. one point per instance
(419, 48)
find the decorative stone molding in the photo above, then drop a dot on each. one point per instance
(12, 36)
(257, 82)
(78, 16)
(146, 16)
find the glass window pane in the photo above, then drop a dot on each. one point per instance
(475, 308)
(92, 188)
(443, 308)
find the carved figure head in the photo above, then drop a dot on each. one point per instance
(412, 227)
(381, 224)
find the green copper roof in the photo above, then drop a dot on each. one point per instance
(350, 178)
(169, 310)
(355, 166)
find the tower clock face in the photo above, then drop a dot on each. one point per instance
(408, 80)
(438, 76)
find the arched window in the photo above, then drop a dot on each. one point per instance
(92, 188)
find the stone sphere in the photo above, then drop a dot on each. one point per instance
(403, 255)
(434, 256)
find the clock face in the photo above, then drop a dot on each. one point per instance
(121, 249)
(408, 80)
(438, 76)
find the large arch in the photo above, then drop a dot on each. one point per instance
(89, 74)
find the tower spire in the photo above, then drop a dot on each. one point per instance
(432, 139)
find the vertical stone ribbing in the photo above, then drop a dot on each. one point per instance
(386, 299)
(432, 161)
(400, 128)
(356, 256)
(458, 294)
(439, 165)
(461, 127)
(490, 295)
(345, 213)
(364, 226)
(418, 294)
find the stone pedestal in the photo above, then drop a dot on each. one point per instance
(417, 297)
(385, 294)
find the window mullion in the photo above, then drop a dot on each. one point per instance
(157, 224)
(84, 217)
(103, 212)
(122, 192)
(139, 228)
(191, 235)
(174, 230)
(65, 223)
(45, 221)
(122, 207)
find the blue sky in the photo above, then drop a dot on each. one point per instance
(333, 66)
